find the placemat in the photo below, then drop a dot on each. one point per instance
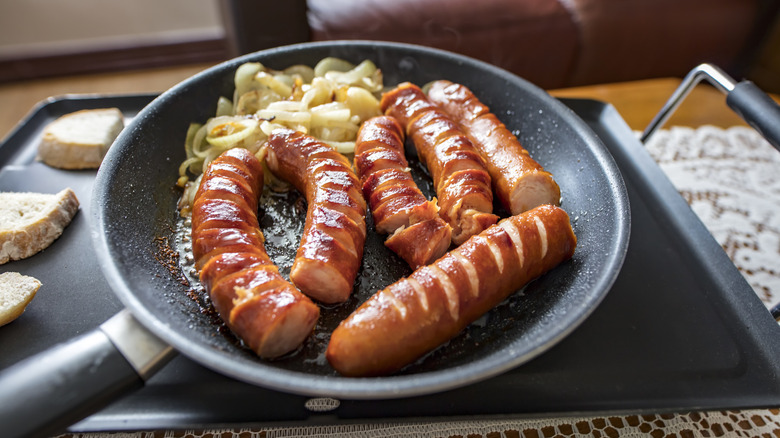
(731, 179)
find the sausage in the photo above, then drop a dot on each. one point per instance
(417, 233)
(414, 315)
(263, 309)
(520, 183)
(462, 184)
(331, 248)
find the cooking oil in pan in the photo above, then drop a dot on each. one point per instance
(282, 216)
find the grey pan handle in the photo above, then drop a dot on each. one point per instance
(44, 394)
(745, 98)
(757, 109)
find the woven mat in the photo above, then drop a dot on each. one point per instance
(731, 179)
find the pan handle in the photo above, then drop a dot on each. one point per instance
(745, 98)
(757, 109)
(44, 394)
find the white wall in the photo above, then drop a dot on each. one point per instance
(43, 27)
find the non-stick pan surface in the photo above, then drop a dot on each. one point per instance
(135, 219)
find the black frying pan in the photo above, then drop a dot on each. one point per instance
(135, 217)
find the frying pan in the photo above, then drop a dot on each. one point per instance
(134, 226)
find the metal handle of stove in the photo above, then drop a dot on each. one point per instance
(745, 98)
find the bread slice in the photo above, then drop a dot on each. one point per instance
(16, 292)
(30, 222)
(80, 140)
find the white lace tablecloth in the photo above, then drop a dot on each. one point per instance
(731, 179)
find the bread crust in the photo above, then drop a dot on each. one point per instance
(80, 140)
(16, 292)
(32, 236)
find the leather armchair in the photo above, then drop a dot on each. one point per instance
(552, 43)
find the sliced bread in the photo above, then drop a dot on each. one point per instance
(16, 292)
(80, 140)
(30, 222)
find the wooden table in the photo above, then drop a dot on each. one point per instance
(18, 98)
(636, 101)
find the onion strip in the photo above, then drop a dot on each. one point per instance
(328, 101)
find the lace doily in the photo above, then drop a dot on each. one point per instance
(731, 179)
(757, 423)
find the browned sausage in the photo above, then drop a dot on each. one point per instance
(331, 249)
(520, 182)
(399, 208)
(462, 184)
(416, 314)
(263, 309)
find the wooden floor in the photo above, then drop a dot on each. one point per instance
(637, 102)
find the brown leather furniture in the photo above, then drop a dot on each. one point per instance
(553, 43)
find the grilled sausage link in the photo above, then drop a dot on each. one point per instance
(417, 233)
(414, 315)
(263, 309)
(331, 249)
(520, 182)
(462, 184)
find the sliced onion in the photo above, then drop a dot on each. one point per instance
(285, 79)
(335, 132)
(225, 132)
(269, 127)
(297, 117)
(199, 143)
(186, 164)
(343, 147)
(373, 83)
(255, 100)
(224, 107)
(362, 103)
(318, 93)
(329, 102)
(331, 64)
(274, 84)
(286, 105)
(331, 117)
(243, 77)
(188, 141)
(362, 70)
(305, 72)
(330, 106)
